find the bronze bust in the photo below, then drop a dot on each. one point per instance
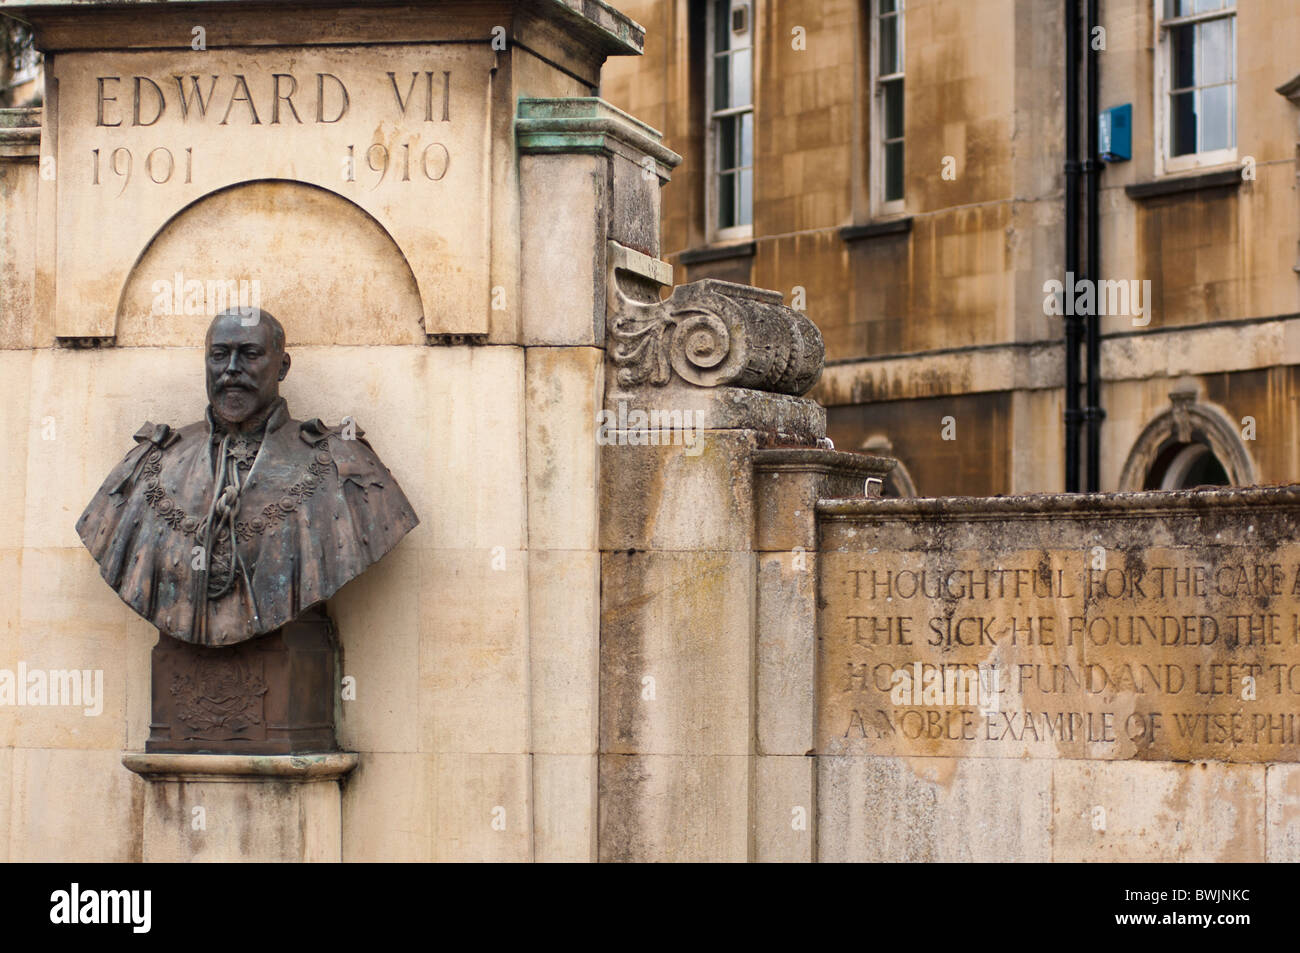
(235, 526)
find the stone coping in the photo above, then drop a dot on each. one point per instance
(585, 124)
(330, 766)
(20, 117)
(596, 22)
(1062, 505)
(822, 461)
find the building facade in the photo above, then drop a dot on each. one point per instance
(897, 168)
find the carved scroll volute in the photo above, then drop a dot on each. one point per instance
(714, 333)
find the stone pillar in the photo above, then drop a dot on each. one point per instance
(226, 808)
(589, 179)
(708, 554)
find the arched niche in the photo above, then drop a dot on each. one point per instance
(322, 265)
(1170, 445)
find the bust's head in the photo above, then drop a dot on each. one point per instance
(245, 358)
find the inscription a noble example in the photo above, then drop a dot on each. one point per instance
(1165, 653)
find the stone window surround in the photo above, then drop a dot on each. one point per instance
(1189, 420)
(1166, 164)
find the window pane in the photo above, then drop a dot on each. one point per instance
(1216, 52)
(887, 6)
(888, 45)
(1216, 118)
(1183, 50)
(727, 142)
(893, 101)
(747, 139)
(893, 171)
(746, 211)
(721, 82)
(726, 200)
(1205, 6)
(721, 25)
(742, 76)
(1182, 124)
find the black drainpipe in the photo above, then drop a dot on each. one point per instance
(1073, 416)
(1093, 413)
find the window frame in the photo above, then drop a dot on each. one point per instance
(714, 233)
(882, 207)
(1165, 162)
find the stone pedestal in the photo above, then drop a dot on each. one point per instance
(224, 808)
(269, 695)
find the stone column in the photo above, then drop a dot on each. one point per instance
(706, 638)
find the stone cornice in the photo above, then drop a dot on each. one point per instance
(589, 124)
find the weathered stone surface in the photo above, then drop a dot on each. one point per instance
(785, 652)
(484, 808)
(1282, 813)
(884, 809)
(564, 650)
(74, 805)
(676, 653)
(564, 808)
(563, 390)
(789, 482)
(674, 808)
(1192, 812)
(785, 809)
(1154, 626)
(388, 809)
(562, 238)
(693, 490)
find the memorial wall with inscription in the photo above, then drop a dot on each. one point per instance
(607, 639)
(1069, 632)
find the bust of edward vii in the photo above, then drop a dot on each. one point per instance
(233, 526)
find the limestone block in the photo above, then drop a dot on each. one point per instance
(18, 189)
(786, 652)
(564, 387)
(677, 496)
(634, 204)
(15, 438)
(785, 809)
(448, 421)
(388, 808)
(564, 809)
(81, 639)
(484, 806)
(1158, 812)
(70, 805)
(676, 670)
(674, 808)
(474, 676)
(886, 809)
(564, 650)
(377, 618)
(562, 235)
(789, 482)
(6, 792)
(1283, 813)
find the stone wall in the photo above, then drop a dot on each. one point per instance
(1059, 678)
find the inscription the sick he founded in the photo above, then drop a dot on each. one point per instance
(1047, 655)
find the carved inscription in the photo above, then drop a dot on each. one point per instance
(1160, 653)
(184, 103)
